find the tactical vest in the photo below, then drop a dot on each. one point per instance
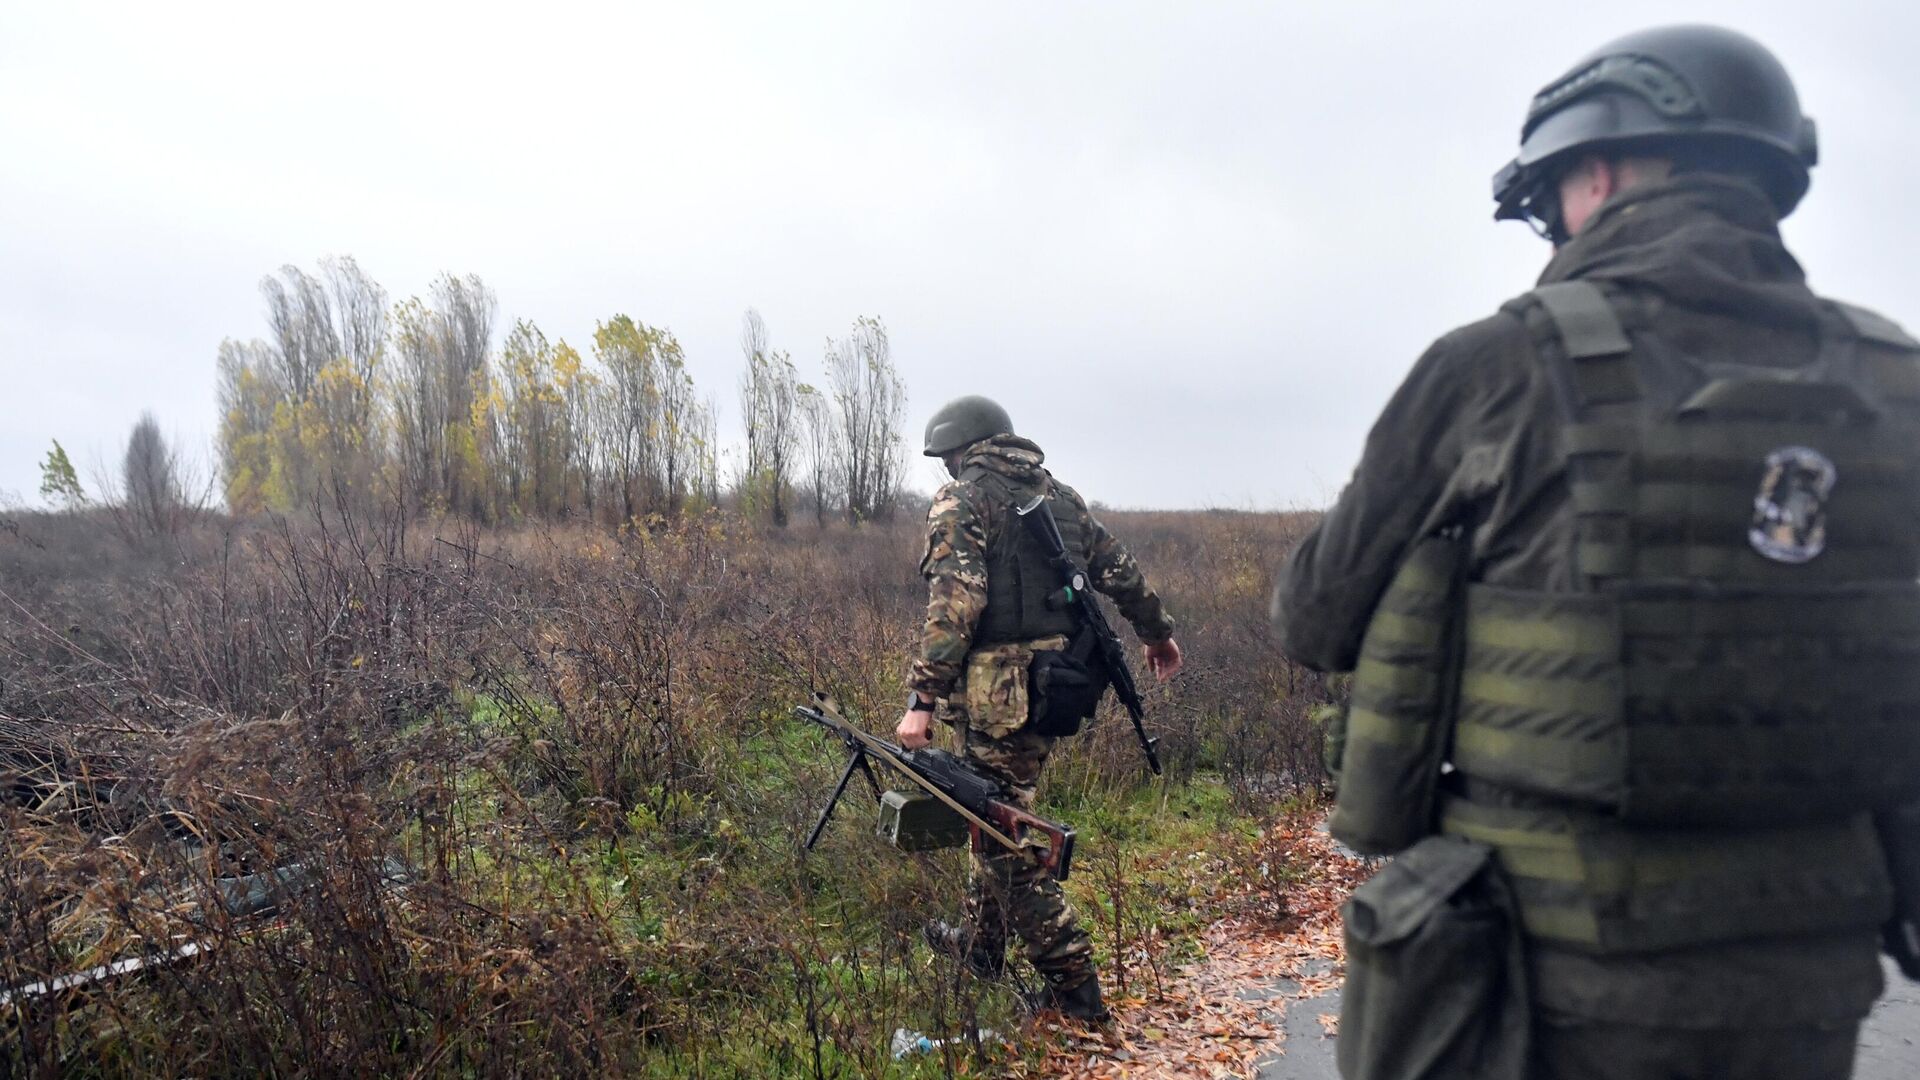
(1736, 683)
(1024, 591)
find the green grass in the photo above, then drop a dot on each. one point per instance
(1136, 849)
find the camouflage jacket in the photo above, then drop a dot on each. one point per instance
(963, 525)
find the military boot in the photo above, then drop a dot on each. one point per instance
(984, 957)
(1082, 1002)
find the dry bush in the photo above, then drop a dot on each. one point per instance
(1240, 708)
(424, 799)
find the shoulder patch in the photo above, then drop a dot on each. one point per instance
(1875, 327)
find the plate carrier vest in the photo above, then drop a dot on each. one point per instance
(1703, 728)
(1024, 598)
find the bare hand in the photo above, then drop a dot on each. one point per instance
(912, 730)
(1164, 659)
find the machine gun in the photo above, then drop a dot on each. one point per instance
(1113, 655)
(951, 793)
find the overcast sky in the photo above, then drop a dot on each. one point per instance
(1192, 247)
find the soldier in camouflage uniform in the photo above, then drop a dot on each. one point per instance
(989, 609)
(1683, 681)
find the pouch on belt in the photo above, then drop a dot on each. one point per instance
(1436, 977)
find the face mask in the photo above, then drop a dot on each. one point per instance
(953, 465)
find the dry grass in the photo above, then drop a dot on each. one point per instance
(428, 800)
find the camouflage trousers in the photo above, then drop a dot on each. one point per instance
(1008, 892)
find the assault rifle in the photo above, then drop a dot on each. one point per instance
(961, 791)
(1039, 519)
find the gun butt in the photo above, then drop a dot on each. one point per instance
(1017, 823)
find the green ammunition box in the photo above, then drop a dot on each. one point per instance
(916, 821)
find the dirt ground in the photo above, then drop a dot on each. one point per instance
(1264, 1001)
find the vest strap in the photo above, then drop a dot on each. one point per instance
(1599, 360)
(1587, 324)
(1605, 380)
(1598, 371)
(1025, 596)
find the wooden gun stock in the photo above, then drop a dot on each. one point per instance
(1019, 824)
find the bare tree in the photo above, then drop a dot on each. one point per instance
(441, 354)
(630, 410)
(150, 481)
(677, 434)
(413, 394)
(419, 416)
(769, 402)
(532, 422)
(705, 444)
(818, 423)
(579, 389)
(360, 311)
(300, 318)
(870, 408)
(248, 395)
(322, 361)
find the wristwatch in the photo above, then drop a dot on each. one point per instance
(914, 704)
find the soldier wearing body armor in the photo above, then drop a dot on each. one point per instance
(1637, 558)
(994, 600)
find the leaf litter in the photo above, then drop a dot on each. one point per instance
(1201, 1023)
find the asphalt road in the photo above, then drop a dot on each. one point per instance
(1889, 1042)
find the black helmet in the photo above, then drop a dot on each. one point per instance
(1678, 89)
(963, 422)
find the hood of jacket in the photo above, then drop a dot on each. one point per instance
(1705, 242)
(1011, 456)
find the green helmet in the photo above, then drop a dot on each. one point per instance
(963, 422)
(1708, 95)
